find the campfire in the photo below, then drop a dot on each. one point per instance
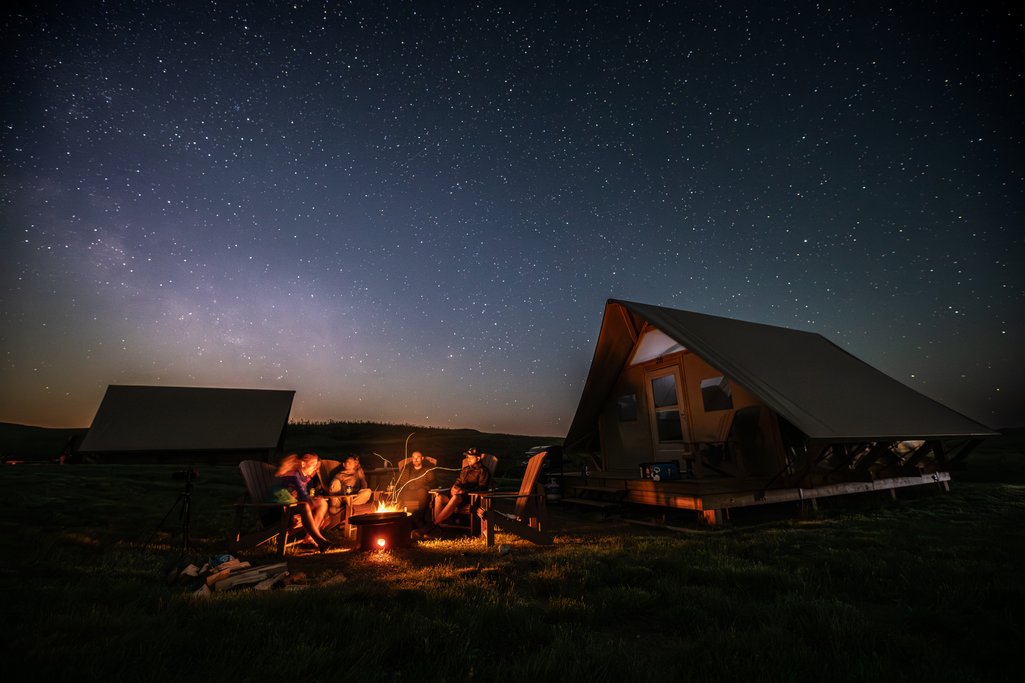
(384, 507)
(386, 527)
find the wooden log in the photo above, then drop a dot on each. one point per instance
(249, 576)
(269, 582)
(217, 576)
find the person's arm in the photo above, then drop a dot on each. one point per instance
(474, 479)
(457, 485)
(482, 479)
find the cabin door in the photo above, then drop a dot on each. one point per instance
(670, 433)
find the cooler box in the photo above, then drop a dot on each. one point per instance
(660, 471)
(664, 471)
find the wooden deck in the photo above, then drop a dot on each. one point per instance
(712, 497)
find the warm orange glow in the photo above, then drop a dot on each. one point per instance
(382, 507)
(381, 543)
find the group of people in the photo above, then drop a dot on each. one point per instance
(293, 485)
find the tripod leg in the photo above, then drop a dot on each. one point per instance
(164, 520)
(186, 515)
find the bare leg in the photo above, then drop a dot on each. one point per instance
(319, 510)
(439, 503)
(310, 525)
(445, 512)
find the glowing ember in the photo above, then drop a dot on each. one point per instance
(385, 528)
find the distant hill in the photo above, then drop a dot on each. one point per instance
(328, 439)
(365, 439)
(23, 442)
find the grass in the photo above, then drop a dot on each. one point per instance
(928, 588)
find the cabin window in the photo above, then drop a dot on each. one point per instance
(627, 404)
(667, 412)
(669, 427)
(716, 394)
(663, 391)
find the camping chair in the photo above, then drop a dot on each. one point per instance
(528, 509)
(433, 462)
(336, 515)
(276, 518)
(468, 511)
(429, 462)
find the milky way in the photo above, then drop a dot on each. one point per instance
(414, 212)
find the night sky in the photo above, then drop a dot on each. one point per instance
(415, 211)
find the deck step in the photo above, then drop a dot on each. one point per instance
(596, 497)
(590, 502)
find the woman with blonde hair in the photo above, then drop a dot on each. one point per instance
(292, 486)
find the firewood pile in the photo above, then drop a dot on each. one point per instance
(225, 572)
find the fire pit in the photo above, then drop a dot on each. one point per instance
(382, 529)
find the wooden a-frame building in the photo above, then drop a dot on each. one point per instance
(694, 411)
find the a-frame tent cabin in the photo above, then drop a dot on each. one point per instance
(696, 411)
(187, 425)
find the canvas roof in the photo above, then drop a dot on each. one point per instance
(149, 418)
(821, 389)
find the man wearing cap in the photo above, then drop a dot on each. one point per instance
(473, 477)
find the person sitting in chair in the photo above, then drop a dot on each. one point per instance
(350, 480)
(473, 477)
(292, 486)
(413, 488)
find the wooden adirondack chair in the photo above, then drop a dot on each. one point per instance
(340, 507)
(468, 511)
(528, 508)
(433, 462)
(276, 518)
(428, 461)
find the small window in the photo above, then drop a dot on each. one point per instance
(627, 404)
(669, 427)
(663, 391)
(716, 394)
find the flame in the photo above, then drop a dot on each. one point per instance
(383, 507)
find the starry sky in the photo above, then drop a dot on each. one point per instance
(415, 211)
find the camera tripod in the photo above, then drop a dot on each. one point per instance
(184, 500)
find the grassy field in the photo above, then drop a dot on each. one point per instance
(926, 588)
